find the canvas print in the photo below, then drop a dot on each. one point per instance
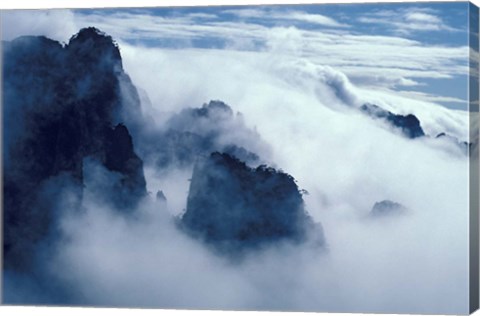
(264, 157)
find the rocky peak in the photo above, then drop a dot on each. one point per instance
(92, 47)
(235, 208)
(32, 45)
(387, 208)
(196, 132)
(59, 105)
(214, 106)
(408, 124)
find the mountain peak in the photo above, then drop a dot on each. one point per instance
(235, 208)
(91, 33)
(92, 45)
(61, 103)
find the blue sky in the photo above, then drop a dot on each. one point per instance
(419, 50)
(432, 23)
(422, 24)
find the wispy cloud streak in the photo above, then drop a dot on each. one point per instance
(407, 21)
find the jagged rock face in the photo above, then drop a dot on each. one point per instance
(94, 50)
(235, 208)
(387, 208)
(463, 146)
(59, 108)
(197, 132)
(160, 197)
(408, 124)
(119, 156)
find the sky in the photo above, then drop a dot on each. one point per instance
(417, 50)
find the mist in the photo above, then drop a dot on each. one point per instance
(412, 263)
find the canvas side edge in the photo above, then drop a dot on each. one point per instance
(1, 160)
(473, 97)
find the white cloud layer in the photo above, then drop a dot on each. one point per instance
(286, 16)
(408, 20)
(56, 24)
(346, 161)
(374, 61)
(387, 62)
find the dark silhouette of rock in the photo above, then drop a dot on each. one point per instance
(62, 104)
(210, 110)
(463, 146)
(387, 208)
(408, 124)
(160, 196)
(197, 132)
(241, 153)
(234, 208)
(120, 157)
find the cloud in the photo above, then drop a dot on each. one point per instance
(275, 15)
(369, 60)
(397, 265)
(295, 74)
(313, 18)
(144, 26)
(56, 24)
(380, 61)
(409, 20)
(200, 15)
(430, 97)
